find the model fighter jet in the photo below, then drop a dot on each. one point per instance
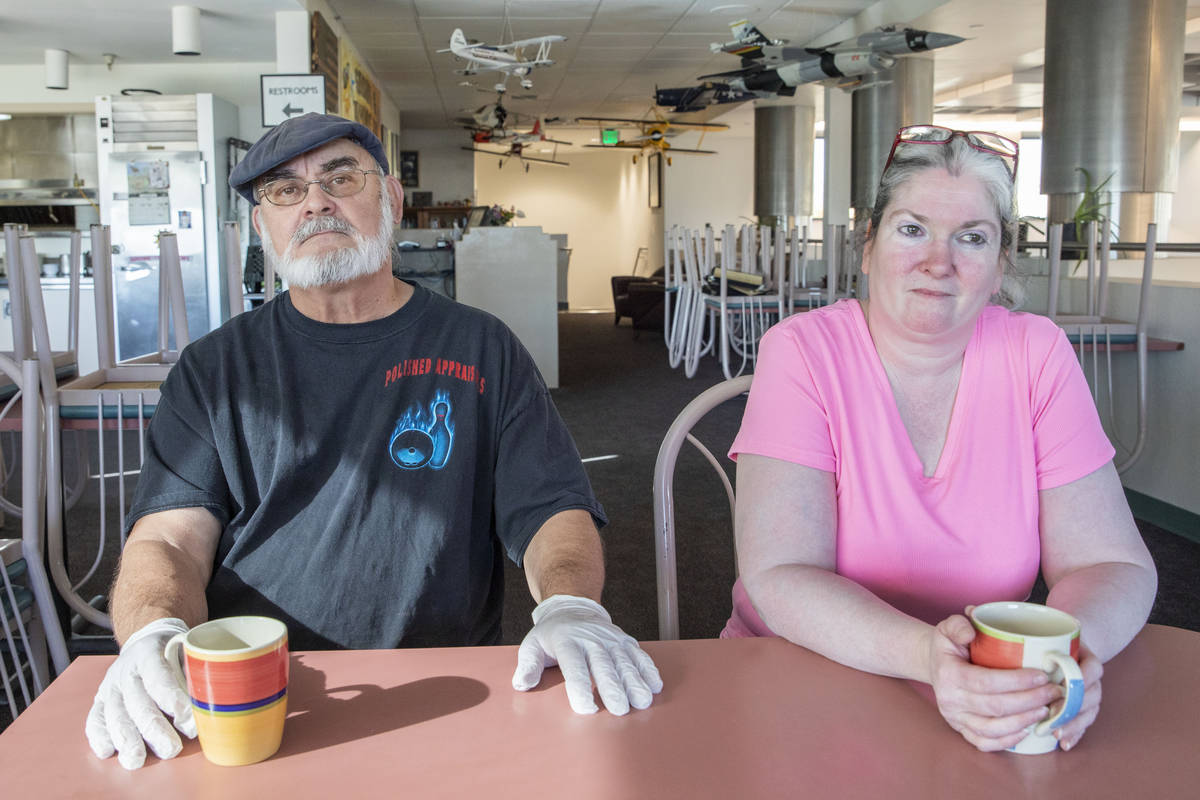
(507, 59)
(771, 67)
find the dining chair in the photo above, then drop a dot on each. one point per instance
(664, 493)
(31, 623)
(234, 276)
(1092, 331)
(686, 341)
(65, 361)
(118, 397)
(740, 320)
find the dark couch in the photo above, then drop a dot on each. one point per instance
(640, 299)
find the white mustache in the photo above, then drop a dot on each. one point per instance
(320, 225)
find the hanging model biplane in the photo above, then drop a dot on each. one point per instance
(654, 135)
(507, 59)
(518, 142)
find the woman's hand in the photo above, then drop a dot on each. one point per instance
(1070, 734)
(992, 708)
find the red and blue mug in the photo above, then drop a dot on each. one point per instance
(1011, 635)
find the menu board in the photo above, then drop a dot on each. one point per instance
(325, 59)
(358, 95)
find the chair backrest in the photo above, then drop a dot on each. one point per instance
(234, 276)
(172, 307)
(664, 500)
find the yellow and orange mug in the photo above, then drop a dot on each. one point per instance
(1011, 635)
(236, 675)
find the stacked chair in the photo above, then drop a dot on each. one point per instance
(118, 396)
(1091, 331)
(723, 294)
(28, 620)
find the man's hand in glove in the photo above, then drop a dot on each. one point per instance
(579, 636)
(137, 692)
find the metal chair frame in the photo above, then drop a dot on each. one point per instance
(664, 495)
(1094, 328)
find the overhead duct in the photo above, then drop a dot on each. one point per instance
(900, 96)
(1111, 106)
(774, 163)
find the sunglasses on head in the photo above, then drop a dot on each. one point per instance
(935, 134)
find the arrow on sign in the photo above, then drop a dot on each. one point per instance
(289, 110)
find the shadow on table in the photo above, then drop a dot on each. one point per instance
(321, 716)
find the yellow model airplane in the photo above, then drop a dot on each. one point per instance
(654, 134)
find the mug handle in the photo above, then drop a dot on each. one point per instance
(171, 655)
(1072, 679)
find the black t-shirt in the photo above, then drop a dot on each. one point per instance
(367, 476)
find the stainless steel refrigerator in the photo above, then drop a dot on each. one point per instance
(163, 163)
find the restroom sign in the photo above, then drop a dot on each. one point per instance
(288, 96)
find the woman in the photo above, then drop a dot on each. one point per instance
(904, 457)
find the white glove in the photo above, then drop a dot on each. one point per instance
(127, 705)
(578, 634)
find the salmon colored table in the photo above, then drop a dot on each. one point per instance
(751, 718)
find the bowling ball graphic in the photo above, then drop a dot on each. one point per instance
(411, 449)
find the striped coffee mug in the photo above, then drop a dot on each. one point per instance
(237, 672)
(1011, 635)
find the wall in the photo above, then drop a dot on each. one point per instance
(443, 167)
(1169, 468)
(23, 84)
(1185, 215)
(600, 202)
(389, 113)
(717, 189)
(237, 83)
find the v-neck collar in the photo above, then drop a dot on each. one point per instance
(966, 382)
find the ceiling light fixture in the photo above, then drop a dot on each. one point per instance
(736, 9)
(185, 30)
(56, 69)
(4, 117)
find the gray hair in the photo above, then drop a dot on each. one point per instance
(958, 157)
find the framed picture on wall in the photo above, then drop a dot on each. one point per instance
(409, 175)
(654, 178)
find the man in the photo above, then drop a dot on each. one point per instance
(352, 458)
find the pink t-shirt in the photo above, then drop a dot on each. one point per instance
(1023, 420)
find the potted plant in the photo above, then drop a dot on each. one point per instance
(1093, 207)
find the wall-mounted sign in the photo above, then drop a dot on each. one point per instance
(325, 59)
(287, 96)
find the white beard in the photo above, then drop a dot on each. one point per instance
(367, 255)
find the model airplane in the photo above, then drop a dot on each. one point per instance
(517, 142)
(654, 134)
(507, 59)
(697, 98)
(770, 67)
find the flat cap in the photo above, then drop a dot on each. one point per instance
(296, 136)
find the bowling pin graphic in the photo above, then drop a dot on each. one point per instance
(440, 433)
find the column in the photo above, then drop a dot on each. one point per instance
(1111, 97)
(902, 95)
(292, 43)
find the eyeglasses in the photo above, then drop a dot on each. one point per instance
(341, 183)
(935, 134)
